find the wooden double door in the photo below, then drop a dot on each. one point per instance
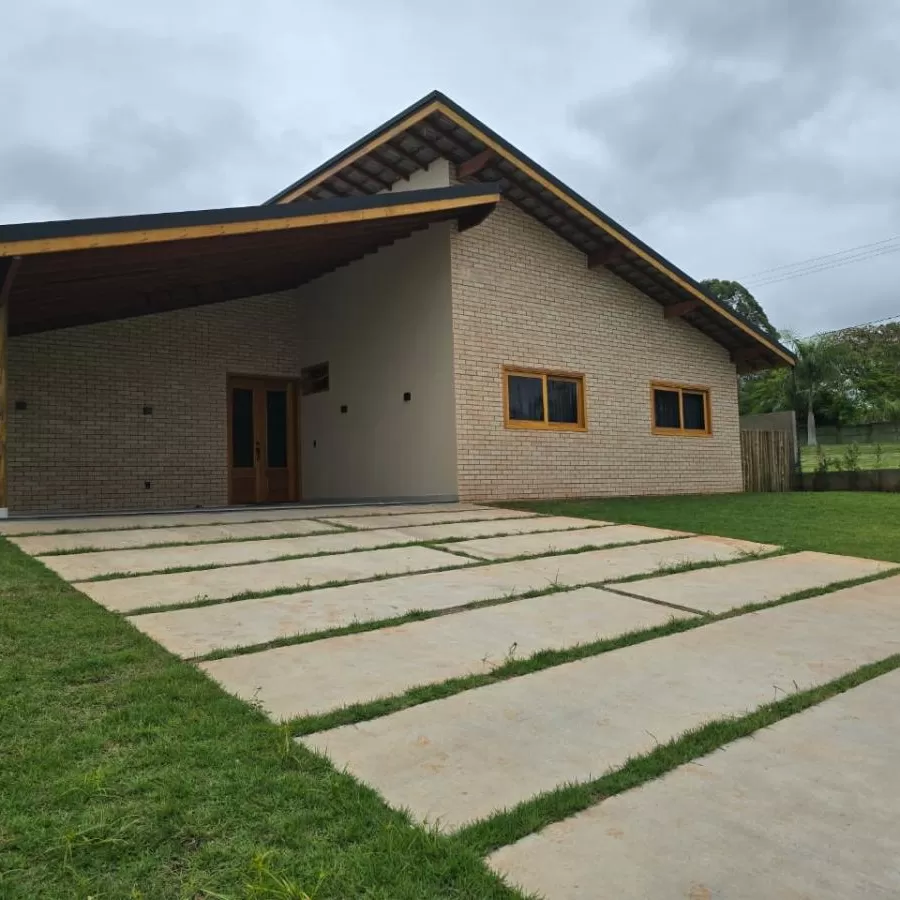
(262, 441)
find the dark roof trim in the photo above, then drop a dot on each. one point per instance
(438, 102)
(77, 234)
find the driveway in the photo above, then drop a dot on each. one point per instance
(305, 611)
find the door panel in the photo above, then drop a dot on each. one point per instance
(262, 445)
(277, 476)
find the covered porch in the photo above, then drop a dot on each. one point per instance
(142, 357)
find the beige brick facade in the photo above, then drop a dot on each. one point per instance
(83, 443)
(522, 296)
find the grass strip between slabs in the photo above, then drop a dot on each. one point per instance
(282, 535)
(545, 659)
(511, 825)
(420, 615)
(445, 545)
(466, 563)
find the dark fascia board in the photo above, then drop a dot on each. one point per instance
(35, 231)
(437, 96)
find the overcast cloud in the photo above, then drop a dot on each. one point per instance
(732, 137)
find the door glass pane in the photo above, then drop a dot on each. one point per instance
(276, 429)
(562, 401)
(665, 409)
(526, 398)
(242, 428)
(694, 412)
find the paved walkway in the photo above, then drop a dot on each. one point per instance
(807, 808)
(256, 590)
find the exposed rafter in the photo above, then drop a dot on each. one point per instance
(365, 173)
(679, 309)
(606, 256)
(475, 164)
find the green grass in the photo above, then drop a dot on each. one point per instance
(834, 453)
(852, 523)
(553, 806)
(125, 773)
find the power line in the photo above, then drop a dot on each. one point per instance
(825, 266)
(860, 325)
(812, 259)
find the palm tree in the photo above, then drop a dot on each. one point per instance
(819, 366)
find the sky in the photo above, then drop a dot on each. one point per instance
(734, 138)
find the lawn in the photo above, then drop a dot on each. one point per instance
(836, 456)
(854, 523)
(126, 774)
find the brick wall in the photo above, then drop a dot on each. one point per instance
(84, 444)
(523, 296)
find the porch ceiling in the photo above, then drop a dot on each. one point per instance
(63, 274)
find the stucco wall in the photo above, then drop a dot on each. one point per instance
(524, 297)
(83, 442)
(385, 327)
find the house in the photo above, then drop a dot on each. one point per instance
(429, 314)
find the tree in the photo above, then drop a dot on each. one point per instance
(821, 366)
(734, 295)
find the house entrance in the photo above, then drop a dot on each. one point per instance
(262, 441)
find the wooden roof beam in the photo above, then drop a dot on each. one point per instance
(434, 148)
(9, 266)
(475, 164)
(405, 156)
(676, 310)
(365, 173)
(607, 256)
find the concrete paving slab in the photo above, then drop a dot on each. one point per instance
(806, 808)
(219, 517)
(323, 675)
(193, 632)
(489, 527)
(459, 759)
(80, 566)
(429, 518)
(125, 594)
(533, 544)
(148, 537)
(756, 581)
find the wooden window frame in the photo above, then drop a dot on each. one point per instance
(682, 389)
(544, 374)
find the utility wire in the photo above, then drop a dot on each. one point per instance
(824, 267)
(812, 259)
(860, 325)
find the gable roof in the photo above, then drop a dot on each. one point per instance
(436, 127)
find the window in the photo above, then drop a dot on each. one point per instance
(314, 379)
(544, 400)
(680, 409)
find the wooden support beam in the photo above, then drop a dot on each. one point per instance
(679, 309)
(433, 146)
(475, 164)
(606, 257)
(8, 269)
(404, 155)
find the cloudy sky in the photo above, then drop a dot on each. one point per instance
(732, 137)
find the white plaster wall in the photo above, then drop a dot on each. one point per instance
(437, 175)
(385, 326)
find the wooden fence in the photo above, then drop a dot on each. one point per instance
(766, 461)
